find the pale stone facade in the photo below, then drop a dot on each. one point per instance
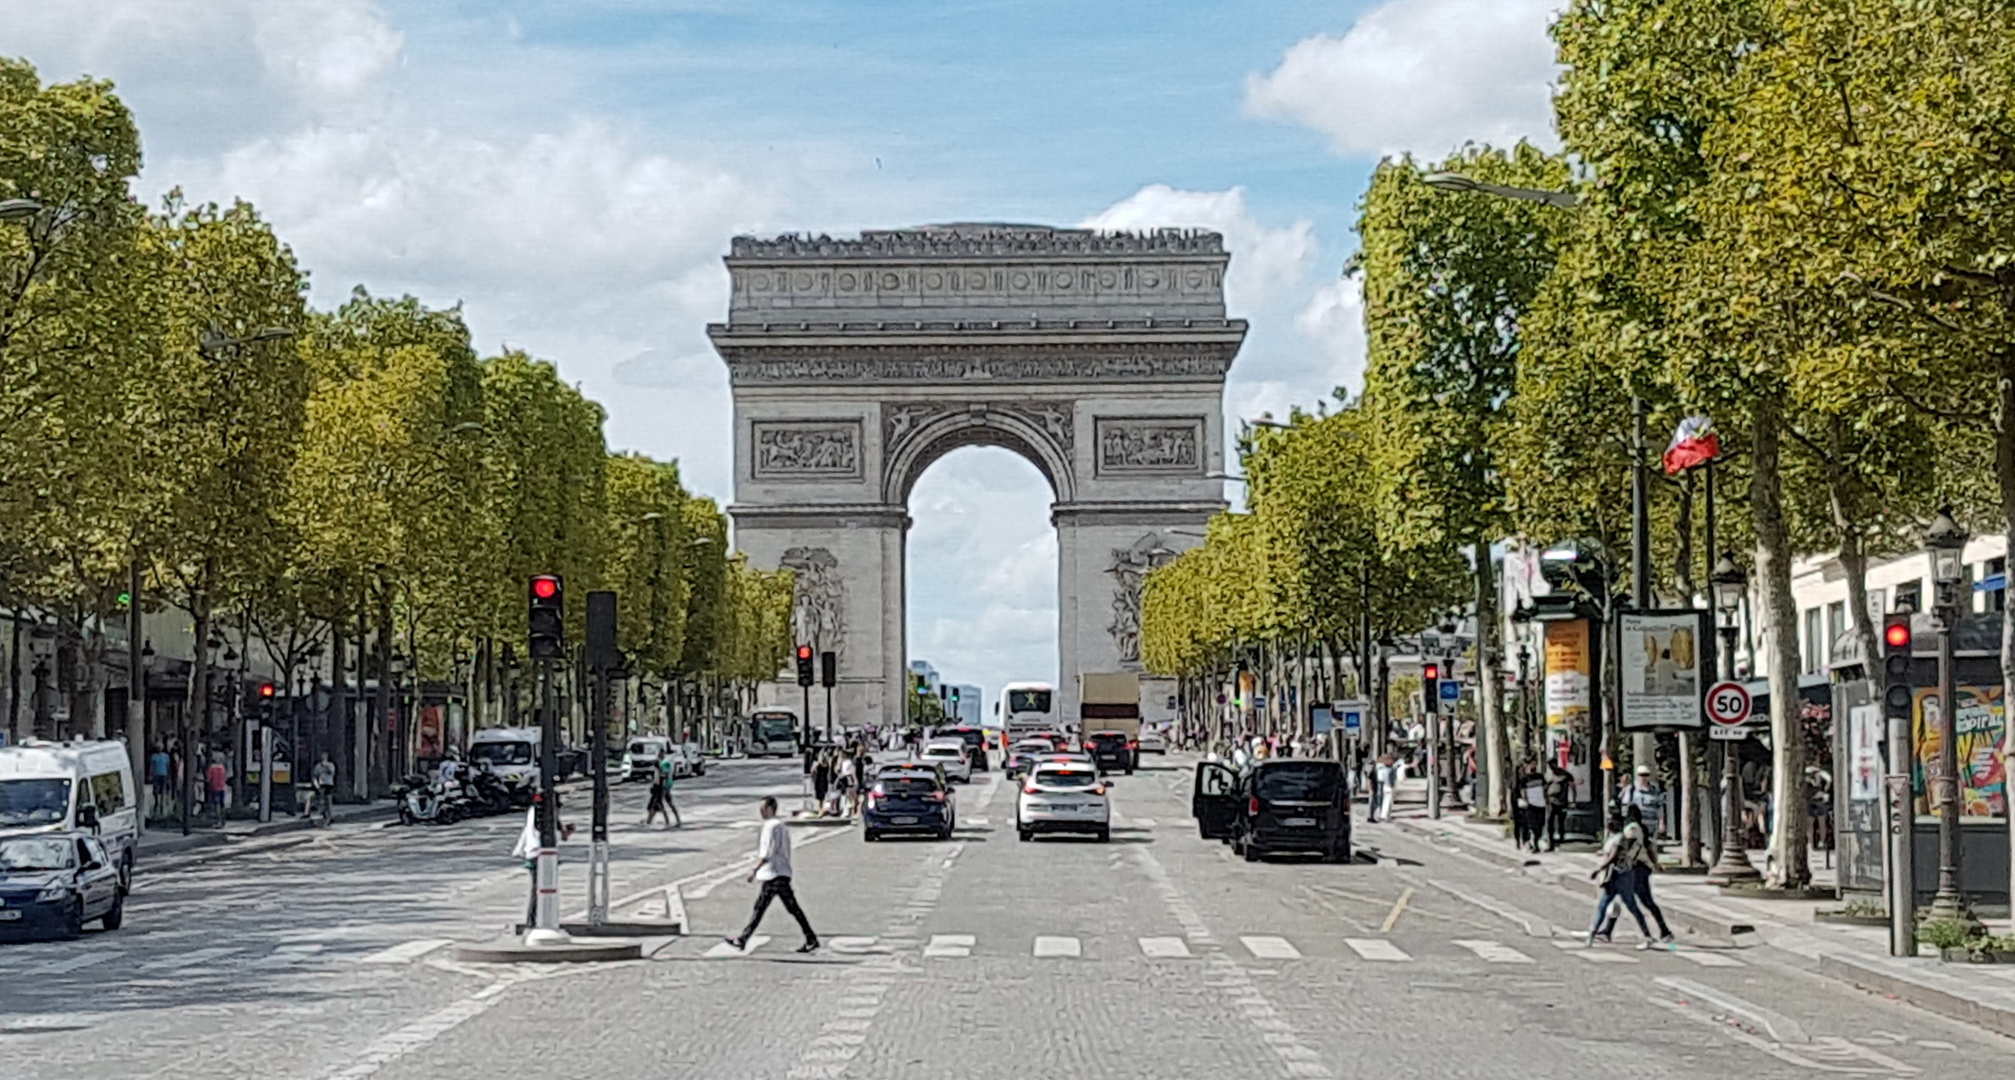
(855, 364)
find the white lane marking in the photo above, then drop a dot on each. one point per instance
(855, 946)
(187, 959)
(975, 822)
(1142, 822)
(949, 945)
(697, 885)
(1377, 949)
(81, 960)
(1271, 948)
(1710, 959)
(1593, 955)
(1845, 1056)
(405, 953)
(1051, 946)
(1774, 1024)
(420, 1032)
(727, 949)
(1164, 948)
(1495, 952)
(1533, 925)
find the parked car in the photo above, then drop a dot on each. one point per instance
(696, 762)
(1063, 797)
(1278, 806)
(641, 760)
(908, 801)
(75, 786)
(54, 883)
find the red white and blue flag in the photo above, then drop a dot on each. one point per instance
(1693, 445)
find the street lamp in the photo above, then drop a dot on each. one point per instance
(1945, 542)
(1730, 584)
(18, 209)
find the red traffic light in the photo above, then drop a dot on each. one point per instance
(545, 586)
(1896, 635)
(1431, 671)
(804, 652)
(267, 689)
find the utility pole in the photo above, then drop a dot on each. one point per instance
(604, 657)
(547, 647)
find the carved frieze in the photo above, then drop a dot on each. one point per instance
(1053, 419)
(806, 449)
(991, 363)
(818, 601)
(1150, 446)
(1129, 569)
(966, 241)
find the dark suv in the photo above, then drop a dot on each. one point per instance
(976, 744)
(1110, 750)
(1286, 805)
(908, 800)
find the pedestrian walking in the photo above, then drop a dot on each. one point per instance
(668, 777)
(323, 793)
(654, 807)
(1648, 797)
(1528, 811)
(1622, 856)
(1647, 865)
(527, 848)
(844, 767)
(1387, 780)
(218, 778)
(157, 777)
(822, 778)
(773, 869)
(1559, 785)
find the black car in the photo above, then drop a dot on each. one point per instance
(54, 883)
(976, 743)
(1111, 750)
(1286, 805)
(908, 801)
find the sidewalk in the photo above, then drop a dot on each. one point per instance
(1978, 994)
(165, 837)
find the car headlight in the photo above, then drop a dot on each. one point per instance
(56, 893)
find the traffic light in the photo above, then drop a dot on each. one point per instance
(804, 665)
(829, 669)
(1430, 687)
(267, 691)
(1896, 693)
(547, 617)
(923, 687)
(955, 695)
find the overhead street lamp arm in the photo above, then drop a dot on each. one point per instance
(1448, 181)
(18, 209)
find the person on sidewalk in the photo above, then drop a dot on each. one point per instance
(773, 869)
(218, 779)
(1622, 856)
(324, 790)
(1528, 810)
(1647, 865)
(1559, 785)
(157, 778)
(1649, 799)
(1388, 780)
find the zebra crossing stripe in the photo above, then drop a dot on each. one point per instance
(1710, 959)
(1593, 955)
(1377, 949)
(198, 956)
(1271, 948)
(404, 953)
(1495, 952)
(1164, 948)
(73, 963)
(726, 949)
(1049, 946)
(949, 945)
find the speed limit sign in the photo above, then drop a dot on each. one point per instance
(1728, 706)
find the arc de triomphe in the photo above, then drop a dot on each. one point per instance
(854, 364)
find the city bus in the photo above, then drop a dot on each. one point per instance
(1024, 708)
(773, 731)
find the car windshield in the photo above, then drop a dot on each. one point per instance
(34, 853)
(909, 786)
(1312, 782)
(941, 751)
(40, 801)
(1030, 701)
(502, 753)
(1066, 778)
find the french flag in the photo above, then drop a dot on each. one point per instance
(1693, 445)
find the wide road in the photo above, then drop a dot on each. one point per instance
(1156, 955)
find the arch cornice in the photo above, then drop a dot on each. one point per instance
(916, 434)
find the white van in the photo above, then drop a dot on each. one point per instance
(54, 787)
(512, 753)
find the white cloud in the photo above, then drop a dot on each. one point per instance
(1264, 260)
(1420, 75)
(1334, 319)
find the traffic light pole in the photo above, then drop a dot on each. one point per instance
(546, 912)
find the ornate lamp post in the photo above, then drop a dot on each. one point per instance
(1730, 584)
(1945, 541)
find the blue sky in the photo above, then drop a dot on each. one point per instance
(571, 172)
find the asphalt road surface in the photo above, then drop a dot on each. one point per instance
(329, 955)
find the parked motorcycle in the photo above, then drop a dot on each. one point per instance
(421, 800)
(487, 794)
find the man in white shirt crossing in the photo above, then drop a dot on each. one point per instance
(773, 869)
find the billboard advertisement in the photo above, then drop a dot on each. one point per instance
(1980, 724)
(1662, 669)
(1570, 687)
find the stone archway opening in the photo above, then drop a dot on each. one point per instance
(981, 577)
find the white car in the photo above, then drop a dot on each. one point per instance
(1151, 741)
(951, 754)
(1064, 796)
